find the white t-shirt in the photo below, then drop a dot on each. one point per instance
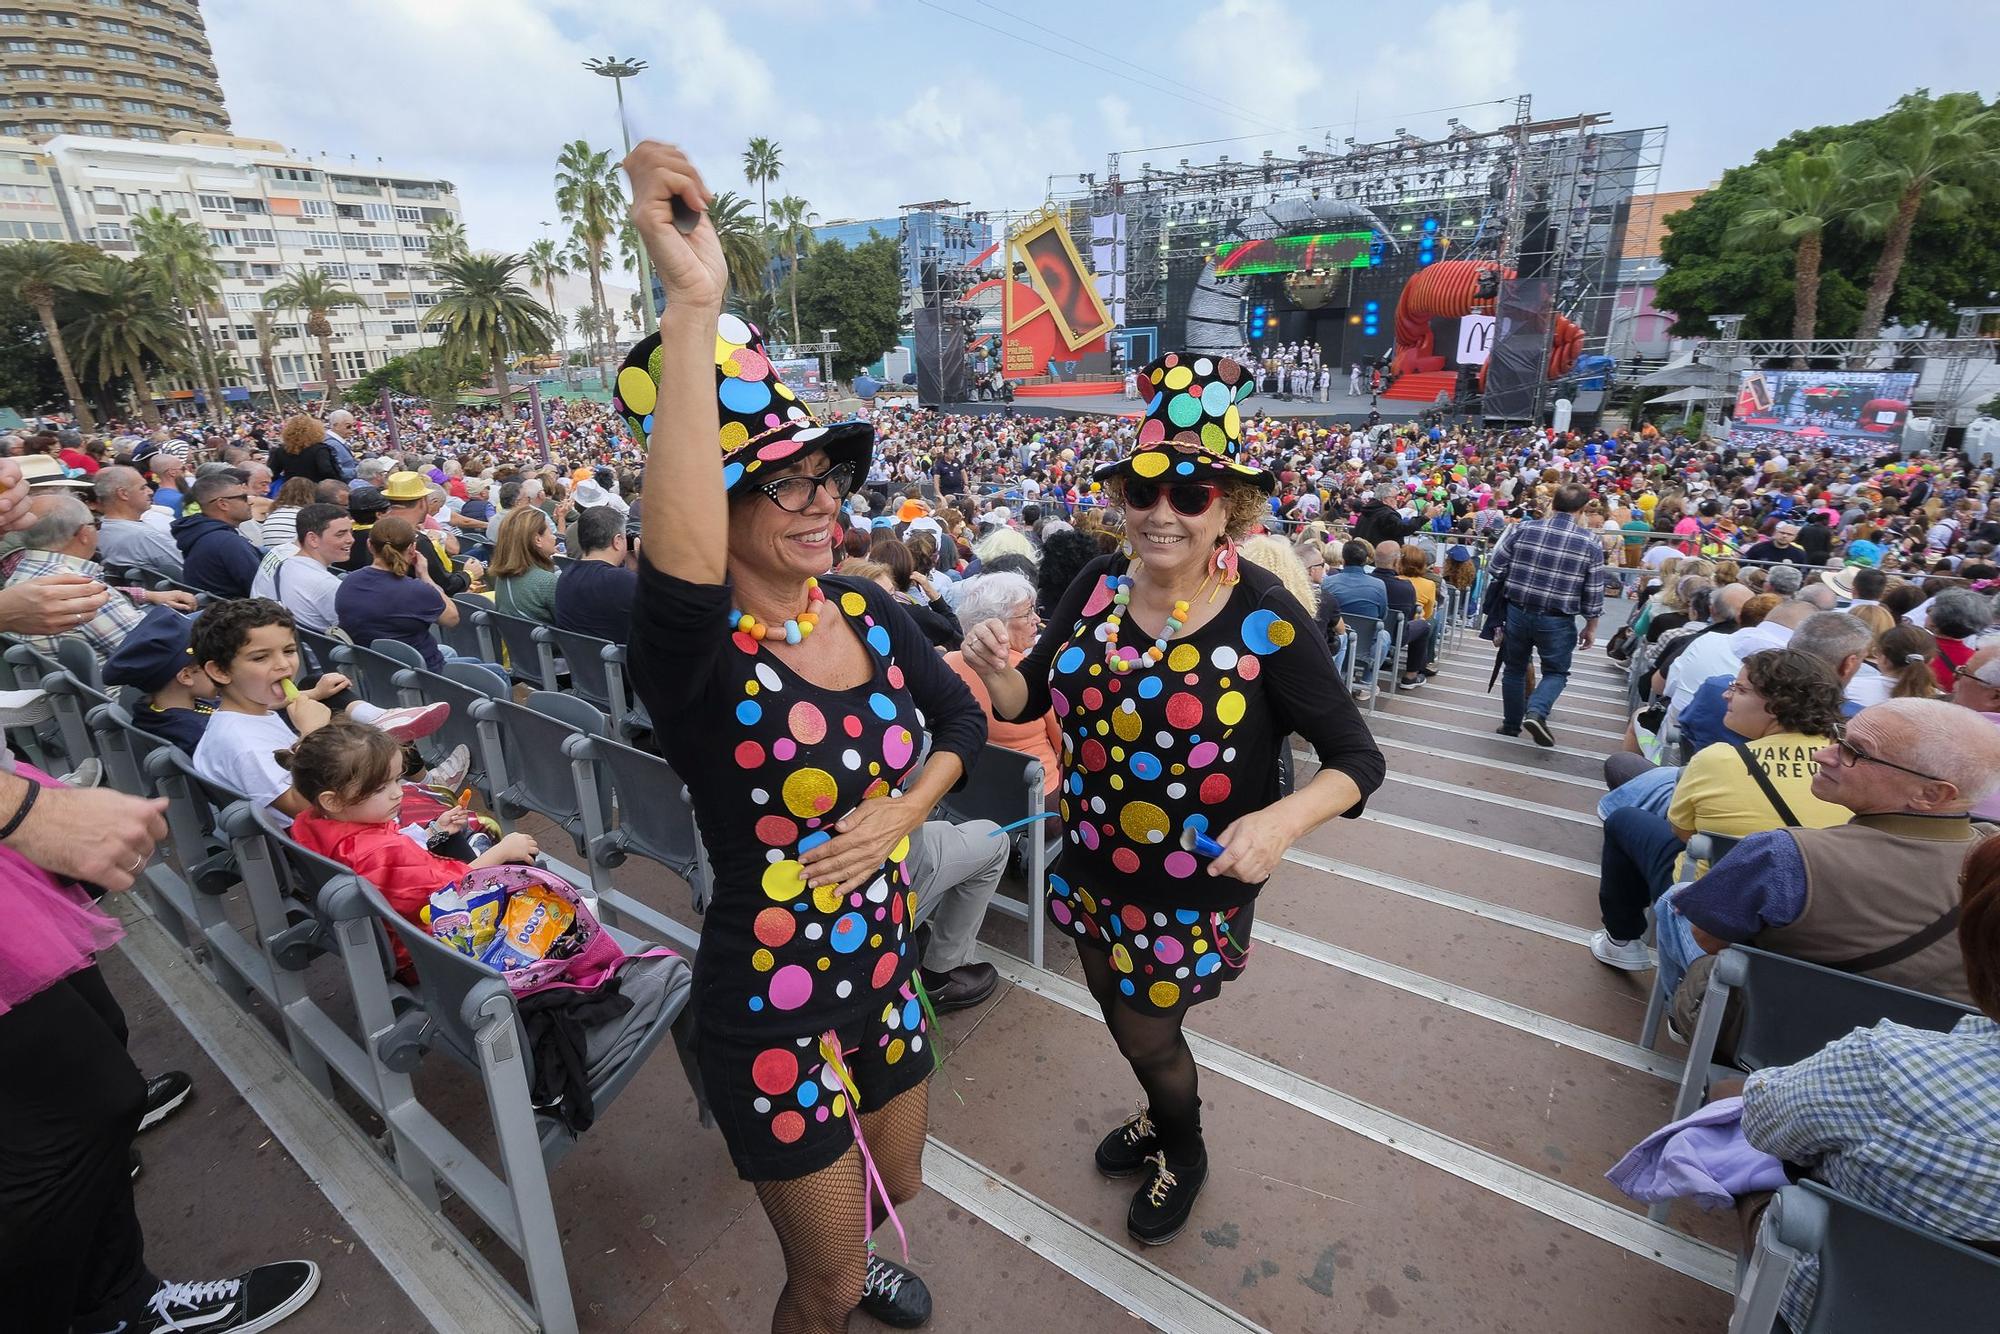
(240, 751)
(305, 586)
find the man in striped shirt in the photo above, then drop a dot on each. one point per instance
(1550, 571)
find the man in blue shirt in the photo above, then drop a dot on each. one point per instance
(594, 596)
(1360, 593)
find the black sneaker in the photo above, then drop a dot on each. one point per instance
(962, 987)
(1126, 1149)
(1160, 1210)
(164, 1096)
(1504, 730)
(242, 1305)
(894, 1295)
(1538, 729)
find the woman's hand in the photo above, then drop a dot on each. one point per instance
(861, 842)
(1253, 846)
(123, 833)
(51, 605)
(690, 266)
(14, 493)
(986, 647)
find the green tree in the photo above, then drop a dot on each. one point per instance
(121, 324)
(795, 219)
(176, 252)
(763, 160)
(428, 373)
(313, 292)
(485, 314)
(40, 273)
(1932, 147)
(742, 241)
(546, 263)
(1795, 202)
(858, 294)
(266, 365)
(29, 380)
(591, 202)
(447, 239)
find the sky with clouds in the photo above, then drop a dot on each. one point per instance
(884, 102)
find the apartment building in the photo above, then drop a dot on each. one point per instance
(268, 212)
(110, 69)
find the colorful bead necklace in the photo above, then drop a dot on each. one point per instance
(793, 631)
(1124, 660)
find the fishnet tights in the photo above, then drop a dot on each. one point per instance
(819, 1218)
(1158, 1054)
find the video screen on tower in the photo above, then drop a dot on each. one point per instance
(1850, 412)
(1295, 254)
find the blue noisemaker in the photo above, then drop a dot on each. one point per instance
(1193, 840)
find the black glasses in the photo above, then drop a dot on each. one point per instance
(240, 495)
(1189, 498)
(795, 493)
(1851, 755)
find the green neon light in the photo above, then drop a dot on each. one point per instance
(1295, 254)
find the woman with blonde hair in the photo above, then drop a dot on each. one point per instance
(393, 597)
(524, 566)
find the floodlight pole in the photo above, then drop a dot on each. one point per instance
(618, 69)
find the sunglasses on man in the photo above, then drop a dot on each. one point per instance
(1190, 499)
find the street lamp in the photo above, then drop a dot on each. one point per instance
(618, 69)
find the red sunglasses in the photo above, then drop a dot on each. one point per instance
(1188, 498)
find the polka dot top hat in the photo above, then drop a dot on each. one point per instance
(764, 425)
(1192, 428)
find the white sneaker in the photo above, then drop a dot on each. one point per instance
(1631, 955)
(451, 770)
(411, 723)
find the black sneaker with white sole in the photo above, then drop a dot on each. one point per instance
(1126, 1149)
(894, 1295)
(1161, 1208)
(241, 1305)
(164, 1096)
(1538, 729)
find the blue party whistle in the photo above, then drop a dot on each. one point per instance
(1193, 840)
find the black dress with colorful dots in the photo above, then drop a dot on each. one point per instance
(1189, 743)
(772, 762)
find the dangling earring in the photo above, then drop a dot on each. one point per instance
(1226, 563)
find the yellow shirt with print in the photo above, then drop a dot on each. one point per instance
(1715, 794)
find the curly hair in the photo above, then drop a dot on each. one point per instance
(1800, 690)
(224, 627)
(301, 433)
(1063, 557)
(1244, 500)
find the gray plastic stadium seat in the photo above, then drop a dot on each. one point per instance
(532, 662)
(655, 821)
(73, 698)
(523, 749)
(372, 672)
(461, 685)
(1877, 1273)
(1005, 786)
(468, 639)
(316, 650)
(1788, 1010)
(584, 656)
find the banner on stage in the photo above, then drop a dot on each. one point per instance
(1850, 412)
(801, 376)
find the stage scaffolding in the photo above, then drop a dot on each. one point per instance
(1549, 197)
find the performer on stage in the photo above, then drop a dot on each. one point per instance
(1177, 675)
(793, 704)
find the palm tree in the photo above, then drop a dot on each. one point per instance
(485, 313)
(265, 365)
(447, 238)
(176, 251)
(762, 161)
(742, 240)
(1796, 199)
(588, 193)
(1933, 144)
(316, 294)
(546, 263)
(38, 272)
(794, 227)
(121, 322)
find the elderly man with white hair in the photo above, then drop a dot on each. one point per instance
(63, 541)
(1877, 896)
(339, 430)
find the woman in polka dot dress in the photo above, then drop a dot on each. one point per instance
(1177, 675)
(794, 705)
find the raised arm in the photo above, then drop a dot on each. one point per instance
(684, 510)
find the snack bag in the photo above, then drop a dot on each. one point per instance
(533, 920)
(466, 920)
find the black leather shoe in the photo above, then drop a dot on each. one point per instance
(1126, 1149)
(164, 1096)
(894, 1295)
(967, 984)
(1160, 1210)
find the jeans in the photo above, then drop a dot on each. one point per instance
(1673, 938)
(1636, 868)
(1652, 791)
(1548, 634)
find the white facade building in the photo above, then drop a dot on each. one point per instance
(268, 212)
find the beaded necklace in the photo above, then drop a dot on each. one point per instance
(1124, 660)
(793, 631)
